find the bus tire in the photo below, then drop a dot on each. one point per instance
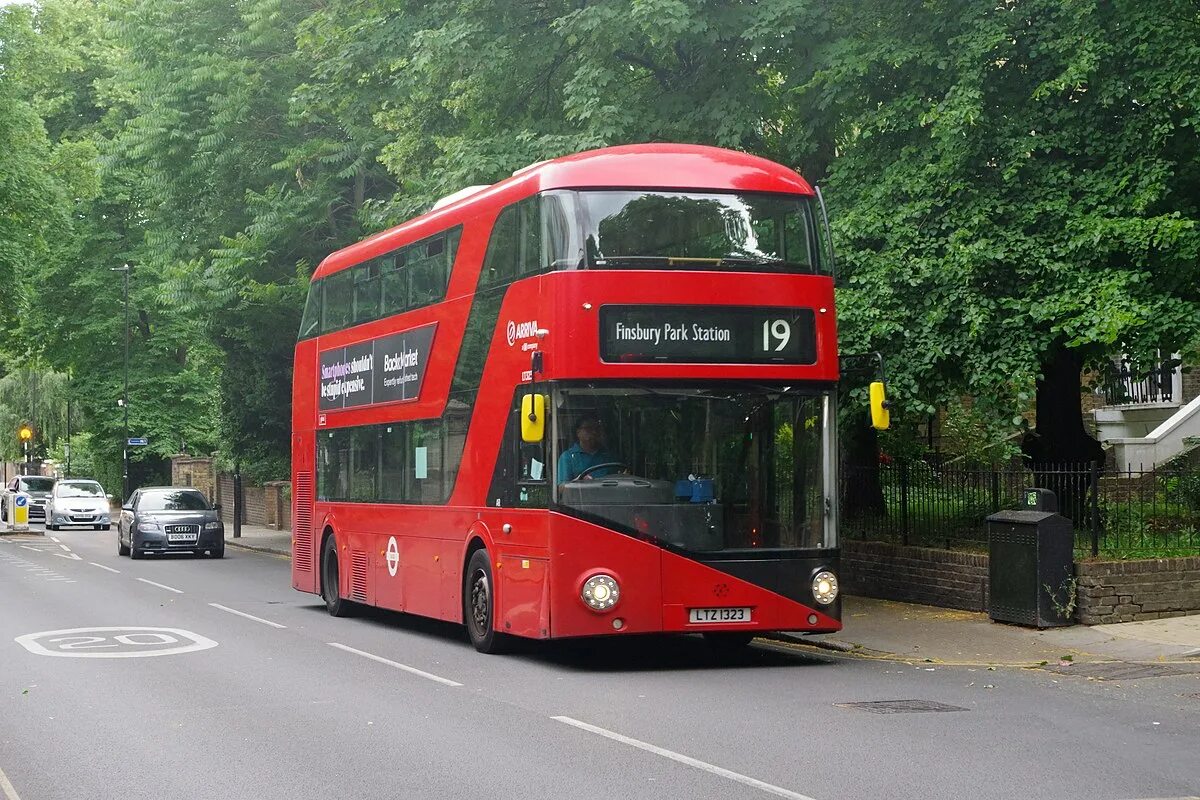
(479, 605)
(335, 604)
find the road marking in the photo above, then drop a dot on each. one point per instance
(10, 793)
(161, 586)
(397, 665)
(34, 549)
(64, 547)
(101, 566)
(72, 556)
(247, 616)
(128, 641)
(778, 791)
(55, 539)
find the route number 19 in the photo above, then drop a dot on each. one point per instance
(776, 330)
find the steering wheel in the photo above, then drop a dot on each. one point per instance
(587, 472)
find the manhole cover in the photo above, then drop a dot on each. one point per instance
(899, 706)
(1117, 671)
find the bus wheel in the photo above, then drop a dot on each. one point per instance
(335, 604)
(479, 605)
(728, 642)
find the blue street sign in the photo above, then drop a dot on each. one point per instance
(137, 441)
(21, 501)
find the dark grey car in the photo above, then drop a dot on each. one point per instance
(169, 519)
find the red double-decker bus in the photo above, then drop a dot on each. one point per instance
(596, 398)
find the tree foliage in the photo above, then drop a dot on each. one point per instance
(1013, 186)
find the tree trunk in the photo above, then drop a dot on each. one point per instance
(1059, 448)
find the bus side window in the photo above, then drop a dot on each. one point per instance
(532, 259)
(424, 467)
(311, 321)
(500, 263)
(393, 451)
(366, 291)
(394, 277)
(427, 272)
(339, 301)
(333, 465)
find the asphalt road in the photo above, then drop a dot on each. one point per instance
(254, 692)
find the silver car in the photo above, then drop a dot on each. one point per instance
(38, 487)
(78, 502)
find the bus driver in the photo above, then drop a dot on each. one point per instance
(588, 451)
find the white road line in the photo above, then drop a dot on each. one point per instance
(397, 665)
(55, 539)
(101, 566)
(161, 586)
(778, 791)
(34, 549)
(64, 547)
(10, 793)
(247, 616)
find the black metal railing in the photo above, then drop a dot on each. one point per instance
(1145, 512)
(1123, 385)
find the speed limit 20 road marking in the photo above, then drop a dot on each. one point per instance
(124, 641)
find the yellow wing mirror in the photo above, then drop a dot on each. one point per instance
(881, 417)
(533, 418)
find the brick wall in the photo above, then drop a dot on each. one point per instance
(1191, 382)
(1128, 591)
(268, 505)
(945, 578)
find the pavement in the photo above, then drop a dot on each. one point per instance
(913, 633)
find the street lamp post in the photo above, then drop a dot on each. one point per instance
(125, 392)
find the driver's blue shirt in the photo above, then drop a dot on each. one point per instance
(575, 460)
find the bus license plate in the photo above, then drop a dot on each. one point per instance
(709, 615)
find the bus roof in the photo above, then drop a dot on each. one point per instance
(651, 166)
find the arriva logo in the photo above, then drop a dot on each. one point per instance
(522, 330)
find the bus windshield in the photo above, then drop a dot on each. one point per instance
(706, 469)
(651, 229)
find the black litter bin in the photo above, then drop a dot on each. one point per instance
(1031, 563)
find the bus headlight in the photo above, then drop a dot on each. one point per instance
(825, 587)
(600, 592)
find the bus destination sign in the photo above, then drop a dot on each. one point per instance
(708, 334)
(386, 370)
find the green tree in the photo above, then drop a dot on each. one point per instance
(1015, 194)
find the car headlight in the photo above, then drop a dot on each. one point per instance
(600, 592)
(212, 526)
(825, 587)
(148, 527)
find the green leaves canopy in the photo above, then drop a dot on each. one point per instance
(1007, 182)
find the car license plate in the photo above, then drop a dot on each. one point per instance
(709, 615)
(181, 537)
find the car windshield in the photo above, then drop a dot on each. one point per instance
(705, 468)
(172, 501)
(36, 484)
(88, 489)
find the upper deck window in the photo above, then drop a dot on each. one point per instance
(650, 229)
(409, 277)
